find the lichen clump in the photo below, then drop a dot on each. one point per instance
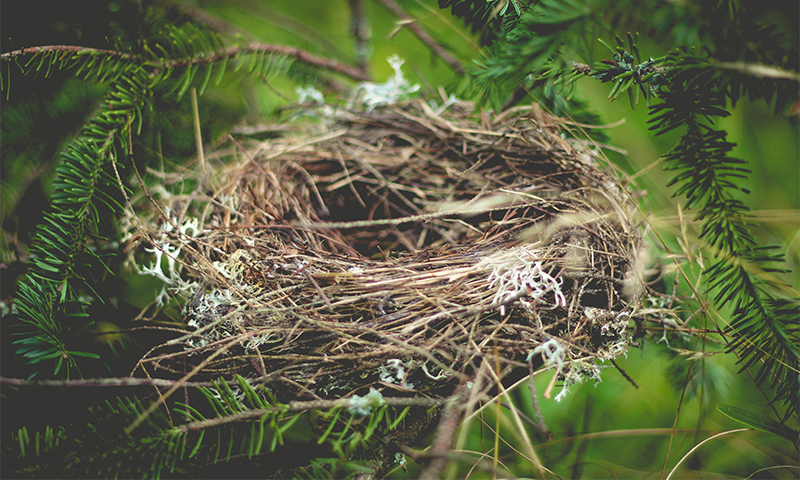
(401, 248)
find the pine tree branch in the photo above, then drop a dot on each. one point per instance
(292, 52)
(303, 406)
(763, 329)
(65, 49)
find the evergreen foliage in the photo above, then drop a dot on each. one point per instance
(236, 420)
(69, 243)
(61, 256)
(490, 19)
(738, 57)
(541, 48)
(763, 323)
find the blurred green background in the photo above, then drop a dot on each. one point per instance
(612, 430)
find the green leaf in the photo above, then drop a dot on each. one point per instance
(197, 446)
(332, 423)
(84, 354)
(759, 422)
(58, 365)
(613, 51)
(23, 440)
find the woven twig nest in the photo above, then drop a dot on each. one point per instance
(396, 249)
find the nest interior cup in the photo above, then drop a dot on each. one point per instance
(399, 249)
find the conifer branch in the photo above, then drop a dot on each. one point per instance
(693, 88)
(206, 58)
(64, 49)
(299, 406)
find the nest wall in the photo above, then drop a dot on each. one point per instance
(399, 249)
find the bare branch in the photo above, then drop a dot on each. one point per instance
(293, 52)
(423, 36)
(359, 28)
(99, 382)
(445, 432)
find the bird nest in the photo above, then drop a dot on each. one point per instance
(397, 249)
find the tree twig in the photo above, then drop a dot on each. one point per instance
(293, 52)
(359, 29)
(100, 382)
(422, 35)
(539, 422)
(63, 48)
(301, 406)
(445, 433)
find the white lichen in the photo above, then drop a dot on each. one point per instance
(372, 95)
(556, 354)
(309, 94)
(439, 376)
(552, 352)
(577, 372)
(207, 305)
(363, 405)
(166, 252)
(438, 110)
(517, 275)
(394, 372)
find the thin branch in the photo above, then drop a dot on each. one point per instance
(445, 433)
(299, 406)
(63, 48)
(359, 29)
(201, 16)
(538, 420)
(422, 35)
(311, 38)
(759, 70)
(101, 382)
(198, 135)
(671, 472)
(293, 52)
(624, 374)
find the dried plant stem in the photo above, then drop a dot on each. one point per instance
(198, 136)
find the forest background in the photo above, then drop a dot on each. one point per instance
(611, 430)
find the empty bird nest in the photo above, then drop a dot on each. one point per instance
(395, 249)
